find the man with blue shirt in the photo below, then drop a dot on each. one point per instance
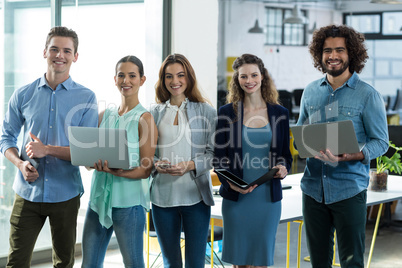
(43, 110)
(335, 186)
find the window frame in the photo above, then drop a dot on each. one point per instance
(375, 36)
(284, 28)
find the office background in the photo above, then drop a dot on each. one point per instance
(209, 32)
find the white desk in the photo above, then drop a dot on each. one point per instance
(292, 204)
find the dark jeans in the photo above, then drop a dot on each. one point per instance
(27, 220)
(194, 221)
(348, 217)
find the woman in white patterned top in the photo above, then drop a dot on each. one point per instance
(181, 190)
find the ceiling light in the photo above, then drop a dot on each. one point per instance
(386, 1)
(296, 18)
(256, 28)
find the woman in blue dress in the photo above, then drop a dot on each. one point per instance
(252, 136)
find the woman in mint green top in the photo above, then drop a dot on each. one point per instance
(119, 198)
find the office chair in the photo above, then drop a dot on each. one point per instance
(297, 94)
(285, 99)
(387, 102)
(398, 101)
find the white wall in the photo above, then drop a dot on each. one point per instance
(153, 48)
(290, 66)
(195, 35)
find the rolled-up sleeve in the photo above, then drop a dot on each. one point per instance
(13, 121)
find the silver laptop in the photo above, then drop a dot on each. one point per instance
(339, 137)
(89, 144)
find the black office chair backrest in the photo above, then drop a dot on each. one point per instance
(395, 136)
(297, 94)
(387, 101)
(398, 101)
(285, 99)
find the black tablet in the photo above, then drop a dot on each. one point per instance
(241, 183)
(232, 178)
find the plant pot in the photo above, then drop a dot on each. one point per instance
(378, 181)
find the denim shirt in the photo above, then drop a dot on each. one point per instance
(47, 113)
(357, 101)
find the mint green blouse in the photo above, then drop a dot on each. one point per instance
(107, 190)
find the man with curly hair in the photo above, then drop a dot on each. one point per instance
(335, 186)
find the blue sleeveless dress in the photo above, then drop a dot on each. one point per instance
(250, 224)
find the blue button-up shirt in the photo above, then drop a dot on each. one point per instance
(357, 101)
(47, 113)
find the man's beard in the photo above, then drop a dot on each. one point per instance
(335, 73)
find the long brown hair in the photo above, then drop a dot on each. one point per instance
(192, 91)
(268, 88)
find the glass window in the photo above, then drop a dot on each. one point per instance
(364, 23)
(107, 31)
(23, 63)
(397, 68)
(392, 23)
(283, 34)
(382, 68)
(384, 44)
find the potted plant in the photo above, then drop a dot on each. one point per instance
(379, 175)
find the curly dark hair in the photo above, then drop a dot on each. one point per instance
(268, 88)
(355, 46)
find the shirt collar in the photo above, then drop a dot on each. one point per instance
(65, 85)
(182, 106)
(352, 81)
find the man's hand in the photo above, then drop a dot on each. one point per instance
(35, 148)
(28, 171)
(327, 156)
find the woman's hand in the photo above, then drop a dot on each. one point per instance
(181, 168)
(240, 190)
(282, 172)
(161, 166)
(104, 168)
